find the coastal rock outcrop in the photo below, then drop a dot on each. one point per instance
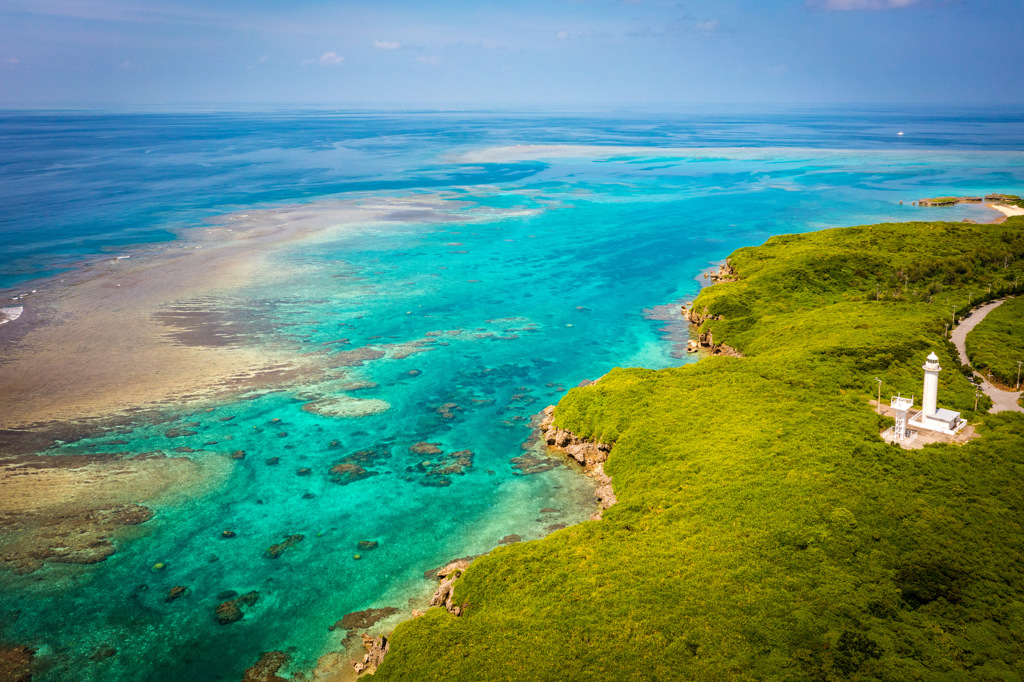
(376, 650)
(698, 317)
(605, 494)
(705, 339)
(230, 611)
(583, 451)
(592, 455)
(265, 669)
(446, 590)
(725, 273)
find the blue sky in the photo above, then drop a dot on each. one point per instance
(509, 53)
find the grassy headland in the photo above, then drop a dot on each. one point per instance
(997, 343)
(763, 530)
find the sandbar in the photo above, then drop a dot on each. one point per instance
(68, 509)
(123, 335)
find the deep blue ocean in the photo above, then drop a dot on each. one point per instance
(576, 262)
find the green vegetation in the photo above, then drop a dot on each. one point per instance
(763, 530)
(997, 343)
(941, 201)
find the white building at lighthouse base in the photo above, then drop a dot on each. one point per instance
(943, 421)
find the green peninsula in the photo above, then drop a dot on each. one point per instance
(763, 530)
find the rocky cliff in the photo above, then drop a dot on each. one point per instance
(590, 454)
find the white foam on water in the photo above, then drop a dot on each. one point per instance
(11, 314)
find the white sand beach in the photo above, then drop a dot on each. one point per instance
(1008, 211)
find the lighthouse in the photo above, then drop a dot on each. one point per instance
(930, 397)
(932, 417)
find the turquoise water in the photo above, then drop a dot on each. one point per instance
(570, 266)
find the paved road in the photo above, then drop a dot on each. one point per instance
(1002, 401)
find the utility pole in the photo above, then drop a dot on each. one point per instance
(878, 407)
(954, 320)
(977, 392)
(1019, 363)
(945, 332)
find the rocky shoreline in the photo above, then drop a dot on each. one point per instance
(592, 455)
(725, 273)
(589, 454)
(705, 340)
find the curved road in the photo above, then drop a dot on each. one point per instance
(1002, 401)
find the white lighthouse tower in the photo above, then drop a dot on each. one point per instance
(929, 400)
(932, 417)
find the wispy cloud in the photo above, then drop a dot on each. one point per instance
(387, 44)
(327, 58)
(707, 26)
(13, 60)
(430, 60)
(849, 5)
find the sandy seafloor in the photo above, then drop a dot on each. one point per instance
(407, 278)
